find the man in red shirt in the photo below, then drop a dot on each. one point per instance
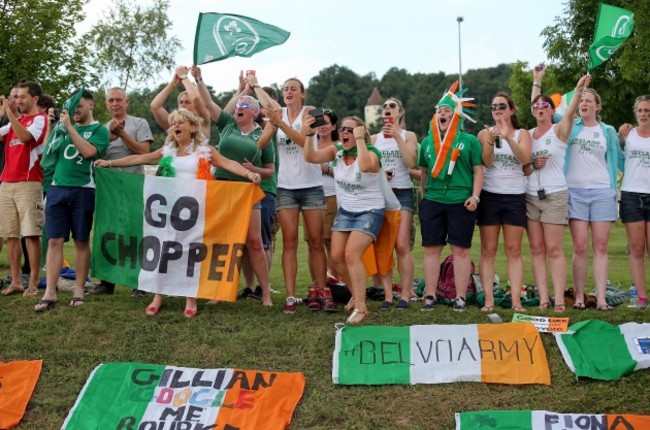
(21, 197)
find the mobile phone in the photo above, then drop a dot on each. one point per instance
(541, 194)
(320, 117)
(497, 141)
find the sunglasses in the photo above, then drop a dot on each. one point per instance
(641, 98)
(346, 129)
(242, 105)
(541, 105)
(499, 106)
(391, 105)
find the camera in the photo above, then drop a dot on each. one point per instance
(320, 117)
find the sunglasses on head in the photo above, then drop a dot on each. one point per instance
(641, 98)
(541, 105)
(391, 105)
(499, 106)
(243, 105)
(346, 129)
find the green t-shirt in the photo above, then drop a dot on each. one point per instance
(270, 185)
(459, 186)
(73, 170)
(235, 145)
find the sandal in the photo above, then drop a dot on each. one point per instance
(31, 292)
(76, 302)
(357, 316)
(604, 307)
(560, 308)
(544, 306)
(49, 305)
(487, 309)
(350, 306)
(579, 306)
(190, 313)
(152, 310)
(12, 290)
(518, 308)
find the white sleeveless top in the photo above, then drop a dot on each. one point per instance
(506, 175)
(329, 184)
(637, 164)
(294, 172)
(357, 191)
(551, 176)
(391, 159)
(588, 168)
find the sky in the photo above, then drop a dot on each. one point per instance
(366, 36)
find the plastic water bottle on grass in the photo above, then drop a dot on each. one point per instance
(634, 297)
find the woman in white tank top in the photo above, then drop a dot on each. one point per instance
(506, 148)
(398, 149)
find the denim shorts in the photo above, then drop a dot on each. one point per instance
(267, 213)
(368, 222)
(634, 207)
(592, 204)
(406, 198)
(303, 198)
(69, 209)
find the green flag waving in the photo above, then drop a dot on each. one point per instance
(220, 36)
(613, 27)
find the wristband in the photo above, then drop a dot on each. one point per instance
(181, 77)
(255, 86)
(360, 138)
(477, 198)
(110, 163)
(537, 85)
(310, 134)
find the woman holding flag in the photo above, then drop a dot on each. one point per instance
(452, 179)
(506, 149)
(186, 154)
(547, 198)
(361, 204)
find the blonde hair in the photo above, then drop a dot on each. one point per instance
(189, 117)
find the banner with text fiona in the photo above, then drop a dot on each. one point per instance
(132, 396)
(171, 236)
(510, 353)
(545, 420)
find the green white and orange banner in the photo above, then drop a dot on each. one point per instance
(171, 236)
(545, 420)
(510, 353)
(544, 324)
(17, 382)
(130, 396)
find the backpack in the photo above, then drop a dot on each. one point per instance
(446, 283)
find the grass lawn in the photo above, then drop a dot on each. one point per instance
(72, 342)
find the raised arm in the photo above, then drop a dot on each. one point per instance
(132, 160)
(538, 75)
(563, 128)
(313, 155)
(368, 161)
(160, 114)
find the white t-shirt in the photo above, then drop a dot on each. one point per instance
(391, 159)
(551, 176)
(294, 172)
(357, 191)
(588, 168)
(329, 184)
(637, 164)
(506, 175)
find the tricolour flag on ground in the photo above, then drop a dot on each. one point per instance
(164, 235)
(599, 350)
(613, 27)
(545, 420)
(17, 382)
(510, 353)
(146, 396)
(219, 36)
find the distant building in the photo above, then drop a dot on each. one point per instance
(372, 110)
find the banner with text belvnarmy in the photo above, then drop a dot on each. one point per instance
(171, 236)
(510, 353)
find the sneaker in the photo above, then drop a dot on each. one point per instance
(102, 289)
(402, 305)
(290, 306)
(385, 305)
(429, 303)
(327, 301)
(255, 295)
(313, 299)
(642, 303)
(139, 294)
(458, 304)
(245, 293)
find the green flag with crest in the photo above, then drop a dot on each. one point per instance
(613, 27)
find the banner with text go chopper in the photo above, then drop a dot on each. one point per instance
(171, 236)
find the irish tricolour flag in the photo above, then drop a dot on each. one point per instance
(599, 350)
(137, 396)
(545, 420)
(510, 353)
(171, 236)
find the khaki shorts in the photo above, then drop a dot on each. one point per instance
(554, 209)
(21, 206)
(330, 213)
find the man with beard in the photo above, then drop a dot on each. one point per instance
(452, 179)
(21, 198)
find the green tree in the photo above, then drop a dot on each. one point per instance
(38, 41)
(132, 42)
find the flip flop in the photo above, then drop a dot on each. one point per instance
(49, 305)
(12, 290)
(30, 292)
(518, 309)
(579, 306)
(77, 301)
(487, 309)
(560, 308)
(605, 307)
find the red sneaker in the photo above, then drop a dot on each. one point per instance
(290, 306)
(328, 302)
(313, 299)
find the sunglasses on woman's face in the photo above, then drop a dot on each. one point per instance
(391, 105)
(499, 106)
(541, 105)
(242, 105)
(346, 130)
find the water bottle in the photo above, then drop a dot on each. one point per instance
(634, 297)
